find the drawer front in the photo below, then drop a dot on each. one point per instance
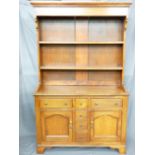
(82, 136)
(82, 131)
(99, 103)
(81, 103)
(56, 103)
(81, 125)
(80, 115)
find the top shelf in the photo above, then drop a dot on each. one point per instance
(81, 43)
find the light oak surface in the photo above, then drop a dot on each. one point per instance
(80, 90)
(81, 100)
(78, 3)
(82, 43)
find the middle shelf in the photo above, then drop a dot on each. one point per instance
(80, 68)
(81, 57)
(82, 43)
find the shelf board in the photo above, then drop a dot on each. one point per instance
(79, 68)
(81, 43)
(80, 90)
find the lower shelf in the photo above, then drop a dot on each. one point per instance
(80, 68)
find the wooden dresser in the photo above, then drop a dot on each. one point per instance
(81, 100)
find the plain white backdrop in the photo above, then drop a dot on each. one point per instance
(145, 77)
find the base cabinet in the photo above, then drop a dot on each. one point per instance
(81, 121)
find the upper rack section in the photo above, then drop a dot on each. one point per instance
(81, 30)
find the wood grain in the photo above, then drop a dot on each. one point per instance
(85, 3)
(81, 51)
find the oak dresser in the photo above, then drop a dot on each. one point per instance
(81, 100)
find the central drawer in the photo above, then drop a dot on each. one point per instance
(56, 103)
(80, 115)
(81, 120)
(81, 103)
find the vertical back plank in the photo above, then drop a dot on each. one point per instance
(81, 50)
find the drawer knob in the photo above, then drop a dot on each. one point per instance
(116, 103)
(80, 103)
(46, 104)
(80, 115)
(66, 104)
(96, 104)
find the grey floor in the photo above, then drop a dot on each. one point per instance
(27, 147)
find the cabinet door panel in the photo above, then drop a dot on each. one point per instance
(105, 126)
(56, 126)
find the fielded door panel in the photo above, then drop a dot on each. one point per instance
(56, 126)
(105, 126)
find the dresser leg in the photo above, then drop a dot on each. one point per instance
(122, 150)
(40, 149)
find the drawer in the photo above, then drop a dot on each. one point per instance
(82, 136)
(81, 115)
(81, 125)
(81, 103)
(99, 103)
(56, 103)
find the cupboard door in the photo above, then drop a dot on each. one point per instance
(56, 126)
(106, 126)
